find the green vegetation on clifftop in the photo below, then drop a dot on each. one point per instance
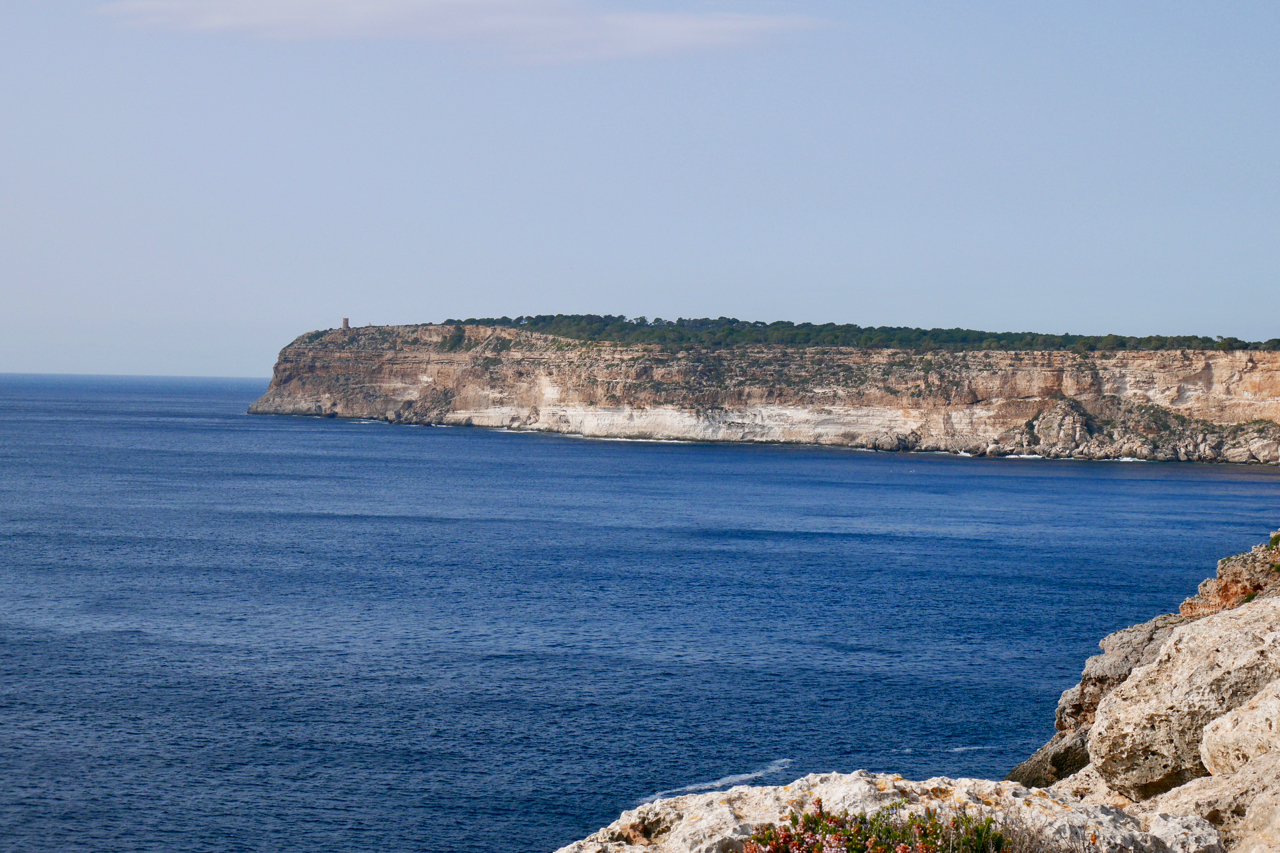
(728, 332)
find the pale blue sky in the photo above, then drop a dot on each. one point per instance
(188, 184)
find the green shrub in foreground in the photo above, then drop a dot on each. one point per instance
(892, 830)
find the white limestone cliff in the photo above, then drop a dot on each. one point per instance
(1185, 405)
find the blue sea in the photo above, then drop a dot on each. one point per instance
(223, 632)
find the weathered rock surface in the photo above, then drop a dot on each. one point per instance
(1197, 695)
(1224, 800)
(1241, 806)
(720, 822)
(1068, 751)
(1240, 578)
(1088, 786)
(1253, 575)
(1146, 734)
(1065, 754)
(1243, 735)
(1165, 704)
(1260, 831)
(1167, 405)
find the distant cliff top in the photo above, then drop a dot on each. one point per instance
(730, 332)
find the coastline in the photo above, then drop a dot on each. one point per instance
(959, 454)
(1179, 405)
(1169, 744)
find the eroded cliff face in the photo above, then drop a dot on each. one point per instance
(1183, 405)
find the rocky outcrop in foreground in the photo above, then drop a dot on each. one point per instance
(1188, 405)
(1147, 735)
(1181, 715)
(1240, 579)
(721, 822)
(1171, 742)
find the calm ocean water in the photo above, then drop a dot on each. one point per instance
(230, 633)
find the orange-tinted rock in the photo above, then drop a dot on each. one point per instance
(1241, 578)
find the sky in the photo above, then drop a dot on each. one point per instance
(187, 185)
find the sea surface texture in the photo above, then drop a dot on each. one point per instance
(223, 632)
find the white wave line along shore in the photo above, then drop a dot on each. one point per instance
(724, 782)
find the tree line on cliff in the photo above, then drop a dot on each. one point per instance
(729, 332)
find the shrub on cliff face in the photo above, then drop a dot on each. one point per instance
(456, 339)
(894, 831)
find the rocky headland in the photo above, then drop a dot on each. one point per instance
(1170, 743)
(1188, 405)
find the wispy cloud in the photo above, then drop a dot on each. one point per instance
(535, 29)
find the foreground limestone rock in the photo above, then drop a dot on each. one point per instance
(1240, 579)
(1068, 751)
(1166, 704)
(1167, 405)
(1225, 801)
(720, 822)
(1088, 786)
(1260, 832)
(1181, 697)
(1146, 735)
(1242, 806)
(1247, 733)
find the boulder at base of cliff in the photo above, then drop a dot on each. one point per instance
(721, 822)
(1146, 736)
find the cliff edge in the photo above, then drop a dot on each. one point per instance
(1188, 405)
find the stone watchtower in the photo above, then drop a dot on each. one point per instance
(346, 324)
